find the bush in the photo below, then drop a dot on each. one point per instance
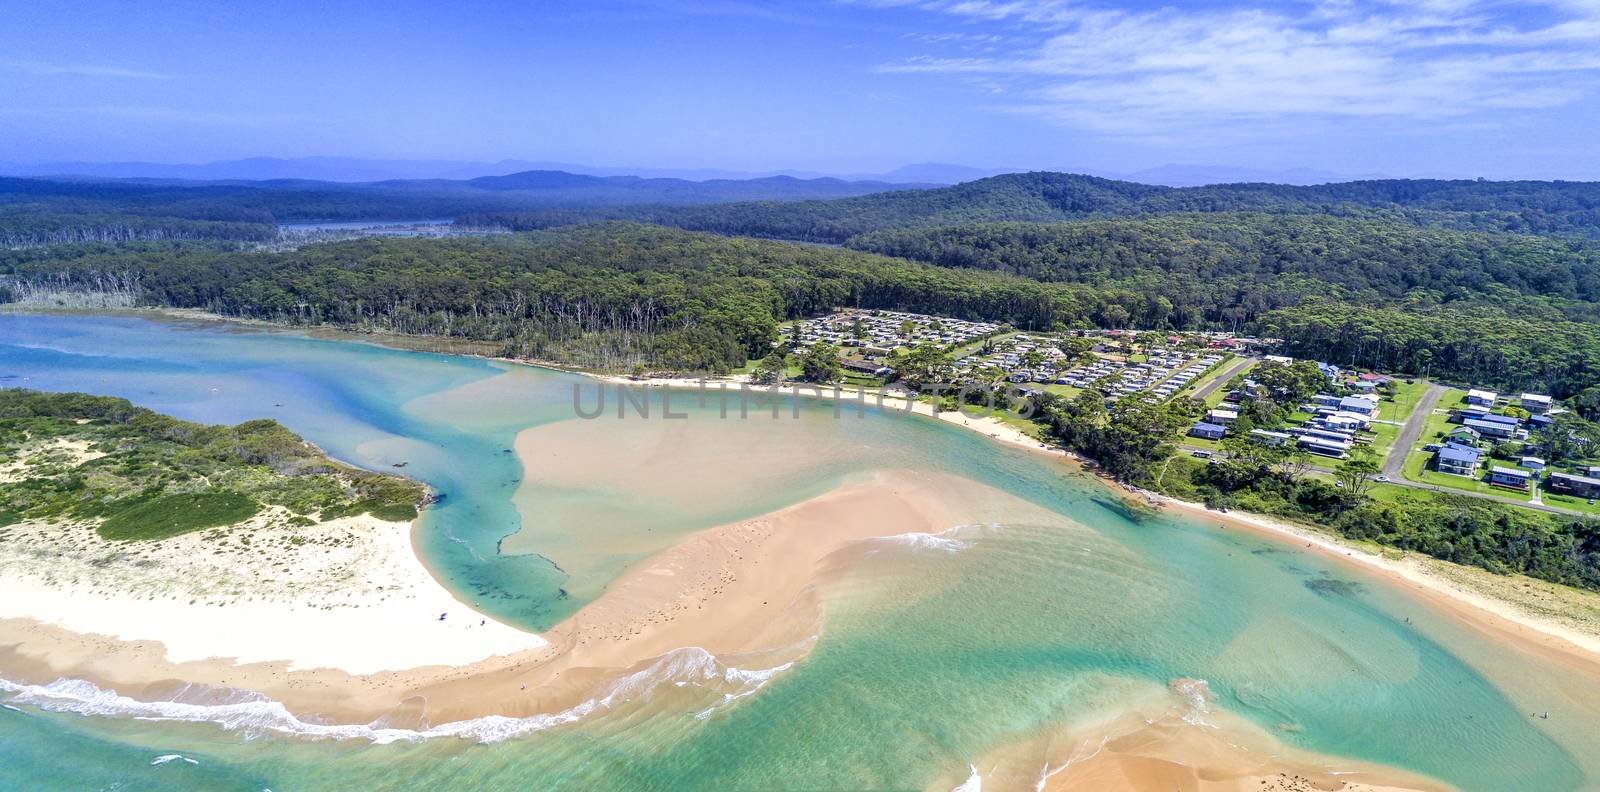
(174, 515)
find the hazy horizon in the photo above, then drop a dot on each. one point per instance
(1445, 87)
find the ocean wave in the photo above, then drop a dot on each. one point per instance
(164, 758)
(1197, 697)
(974, 782)
(944, 540)
(255, 714)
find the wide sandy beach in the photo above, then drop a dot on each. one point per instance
(348, 594)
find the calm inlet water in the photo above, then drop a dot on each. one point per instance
(932, 655)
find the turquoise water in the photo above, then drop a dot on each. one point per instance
(929, 659)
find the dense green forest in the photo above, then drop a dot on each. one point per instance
(1471, 343)
(1250, 252)
(626, 296)
(1421, 277)
(139, 474)
(1490, 309)
(1553, 208)
(613, 296)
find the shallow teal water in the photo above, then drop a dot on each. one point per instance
(929, 659)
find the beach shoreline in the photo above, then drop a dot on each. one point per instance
(349, 594)
(1416, 575)
(734, 593)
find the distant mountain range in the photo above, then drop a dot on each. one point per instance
(350, 169)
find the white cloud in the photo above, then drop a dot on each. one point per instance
(80, 70)
(1174, 69)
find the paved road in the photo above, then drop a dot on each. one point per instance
(1393, 466)
(1231, 372)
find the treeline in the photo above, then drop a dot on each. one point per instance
(1470, 343)
(623, 296)
(1496, 310)
(1213, 252)
(1550, 208)
(33, 229)
(1500, 538)
(610, 296)
(43, 211)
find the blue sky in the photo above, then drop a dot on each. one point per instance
(1467, 87)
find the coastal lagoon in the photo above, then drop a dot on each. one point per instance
(1017, 641)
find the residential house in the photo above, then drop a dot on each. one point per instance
(1491, 429)
(1465, 435)
(1323, 446)
(866, 367)
(1208, 431)
(1574, 484)
(1457, 460)
(1536, 403)
(1270, 438)
(1510, 477)
(1221, 416)
(1325, 434)
(1532, 463)
(1481, 398)
(1359, 405)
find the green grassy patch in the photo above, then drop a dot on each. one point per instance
(1383, 437)
(1416, 469)
(1550, 498)
(1062, 390)
(173, 515)
(1404, 398)
(1221, 393)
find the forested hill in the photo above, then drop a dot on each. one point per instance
(42, 212)
(1554, 208)
(624, 296)
(1196, 251)
(607, 296)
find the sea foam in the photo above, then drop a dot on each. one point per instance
(252, 713)
(974, 782)
(164, 758)
(944, 540)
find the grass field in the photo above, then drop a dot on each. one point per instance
(1383, 437)
(1067, 391)
(1403, 402)
(1216, 396)
(1417, 470)
(1569, 502)
(1200, 442)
